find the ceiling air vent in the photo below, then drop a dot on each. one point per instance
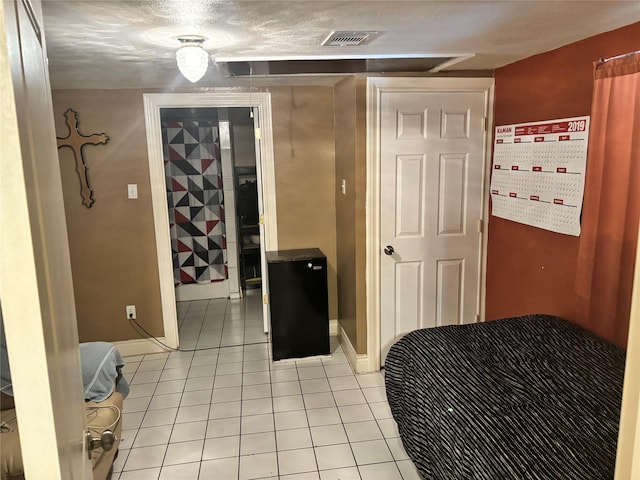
(348, 39)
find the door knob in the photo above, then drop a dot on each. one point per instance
(388, 250)
(106, 440)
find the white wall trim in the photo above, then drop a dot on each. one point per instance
(334, 327)
(161, 220)
(141, 346)
(202, 291)
(359, 362)
(628, 453)
(373, 223)
(228, 187)
(375, 87)
(153, 102)
(488, 155)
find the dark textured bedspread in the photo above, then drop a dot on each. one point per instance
(531, 397)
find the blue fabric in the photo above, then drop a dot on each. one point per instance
(101, 366)
(101, 371)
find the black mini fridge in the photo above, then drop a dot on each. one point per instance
(298, 303)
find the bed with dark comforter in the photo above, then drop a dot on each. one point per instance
(531, 397)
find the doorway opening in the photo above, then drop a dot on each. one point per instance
(199, 106)
(212, 193)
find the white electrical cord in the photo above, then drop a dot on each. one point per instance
(94, 411)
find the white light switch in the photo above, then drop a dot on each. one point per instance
(132, 190)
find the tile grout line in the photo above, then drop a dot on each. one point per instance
(273, 415)
(241, 398)
(342, 420)
(306, 415)
(144, 416)
(215, 367)
(215, 372)
(298, 367)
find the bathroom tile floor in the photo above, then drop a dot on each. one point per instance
(227, 412)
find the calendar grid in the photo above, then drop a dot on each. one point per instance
(538, 173)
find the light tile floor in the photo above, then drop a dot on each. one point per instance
(227, 412)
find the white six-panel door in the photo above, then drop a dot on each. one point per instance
(431, 179)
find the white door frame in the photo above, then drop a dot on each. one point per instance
(376, 86)
(153, 102)
(36, 282)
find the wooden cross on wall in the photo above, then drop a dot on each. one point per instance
(76, 141)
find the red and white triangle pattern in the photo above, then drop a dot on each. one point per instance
(196, 201)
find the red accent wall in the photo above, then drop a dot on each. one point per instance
(530, 270)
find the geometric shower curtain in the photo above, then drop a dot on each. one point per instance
(193, 171)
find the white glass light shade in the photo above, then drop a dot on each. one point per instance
(192, 62)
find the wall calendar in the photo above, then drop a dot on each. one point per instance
(539, 172)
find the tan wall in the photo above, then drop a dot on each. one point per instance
(350, 146)
(305, 173)
(112, 244)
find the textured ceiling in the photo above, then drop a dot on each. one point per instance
(131, 44)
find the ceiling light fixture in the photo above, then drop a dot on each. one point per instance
(192, 58)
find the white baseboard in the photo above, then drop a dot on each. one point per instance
(334, 328)
(205, 291)
(144, 346)
(141, 346)
(359, 361)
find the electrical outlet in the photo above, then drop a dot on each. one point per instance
(131, 312)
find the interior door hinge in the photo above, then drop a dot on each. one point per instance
(257, 133)
(480, 226)
(485, 124)
(265, 299)
(261, 219)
